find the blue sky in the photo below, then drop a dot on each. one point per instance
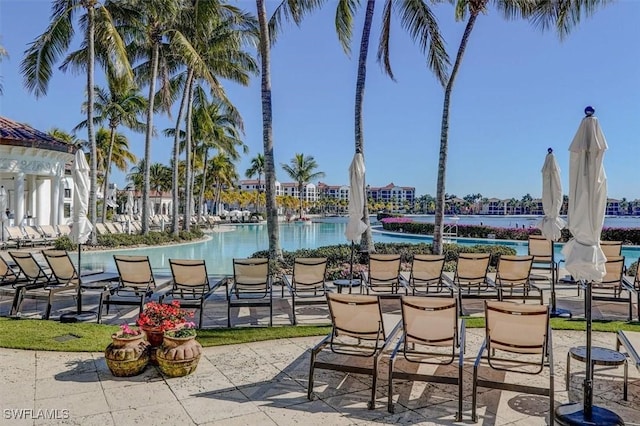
(519, 91)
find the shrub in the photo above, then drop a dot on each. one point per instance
(64, 243)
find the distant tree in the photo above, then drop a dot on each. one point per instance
(301, 169)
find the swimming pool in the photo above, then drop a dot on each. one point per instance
(244, 240)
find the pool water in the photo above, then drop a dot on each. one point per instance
(244, 240)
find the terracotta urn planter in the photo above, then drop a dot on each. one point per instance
(178, 356)
(154, 337)
(127, 356)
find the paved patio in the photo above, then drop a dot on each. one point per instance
(265, 382)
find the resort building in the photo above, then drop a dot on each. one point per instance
(397, 196)
(309, 191)
(36, 175)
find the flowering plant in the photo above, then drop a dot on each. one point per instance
(127, 332)
(163, 316)
(188, 329)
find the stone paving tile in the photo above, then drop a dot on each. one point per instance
(104, 419)
(211, 407)
(139, 395)
(82, 404)
(69, 384)
(251, 419)
(168, 414)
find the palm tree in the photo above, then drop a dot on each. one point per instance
(46, 49)
(563, 15)
(222, 172)
(64, 136)
(160, 179)
(256, 169)
(301, 169)
(3, 54)
(120, 105)
(421, 24)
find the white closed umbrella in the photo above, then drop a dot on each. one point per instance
(129, 204)
(81, 226)
(355, 226)
(551, 224)
(3, 208)
(584, 258)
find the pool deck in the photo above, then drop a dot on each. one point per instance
(265, 382)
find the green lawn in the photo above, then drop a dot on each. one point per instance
(89, 337)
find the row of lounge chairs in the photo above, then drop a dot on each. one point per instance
(31, 236)
(517, 339)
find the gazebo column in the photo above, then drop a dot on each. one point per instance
(60, 203)
(19, 199)
(42, 207)
(55, 196)
(31, 197)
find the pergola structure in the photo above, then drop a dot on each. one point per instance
(32, 171)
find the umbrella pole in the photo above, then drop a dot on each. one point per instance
(79, 281)
(351, 264)
(586, 413)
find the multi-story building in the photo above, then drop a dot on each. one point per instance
(397, 196)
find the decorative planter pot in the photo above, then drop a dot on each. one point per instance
(178, 356)
(154, 337)
(127, 356)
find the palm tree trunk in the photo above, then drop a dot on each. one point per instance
(444, 140)
(275, 252)
(188, 196)
(93, 205)
(112, 139)
(366, 244)
(203, 184)
(300, 197)
(175, 196)
(147, 142)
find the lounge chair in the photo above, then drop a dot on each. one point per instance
(630, 341)
(470, 278)
(136, 283)
(191, 284)
(425, 276)
(383, 275)
(49, 232)
(633, 287)
(251, 286)
(101, 229)
(64, 272)
(517, 340)
(430, 335)
(612, 285)
(36, 237)
(39, 284)
(512, 278)
(543, 259)
(64, 230)
(611, 248)
(8, 279)
(112, 229)
(307, 285)
(358, 331)
(16, 235)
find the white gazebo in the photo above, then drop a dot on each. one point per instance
(33, 171)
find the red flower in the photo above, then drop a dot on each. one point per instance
(163, 316)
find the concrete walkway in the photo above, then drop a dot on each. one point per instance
(265, 384)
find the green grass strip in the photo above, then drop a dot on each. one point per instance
(89, 337)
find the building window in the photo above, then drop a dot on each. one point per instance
(67, 193)
(67, 209)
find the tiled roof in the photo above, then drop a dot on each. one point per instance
(17, 134)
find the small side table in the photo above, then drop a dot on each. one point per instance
(599, 356)
(350, 284)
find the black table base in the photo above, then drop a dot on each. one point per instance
(574, 414)
(82, 316)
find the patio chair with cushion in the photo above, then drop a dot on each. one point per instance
(191, 284)
(470, 278)
(383, 275)
(358, 331)
(135, 285)
(517, 341)
(64, 272)
(251, 286)
(512, 278)
(39, 284)
(307, 285)
(543, 259)
(425, 276)
(430, 335)
(612, 285)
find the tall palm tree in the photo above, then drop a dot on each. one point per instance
(423, 28)
(3, 54)
(562, 15)
(223, 173)
(46, 49)
(122, 104)
(256, 169)
(301, 169)
(160, 179)
(64, 136)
